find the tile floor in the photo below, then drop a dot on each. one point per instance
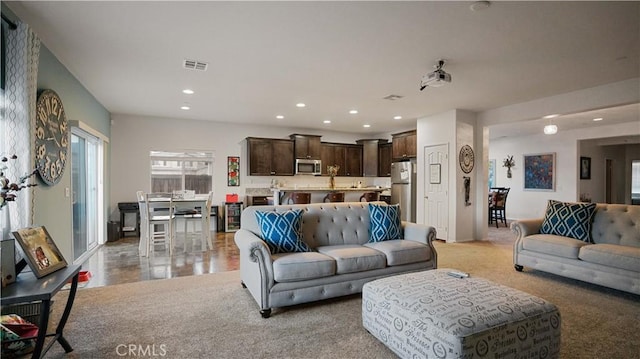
(118, 262)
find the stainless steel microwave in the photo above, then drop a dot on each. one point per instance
(308, 167)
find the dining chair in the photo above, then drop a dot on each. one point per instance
(160, 218)
(194, 216)
(369, 196)
(498, 206)
(334, 197)
(300, 198)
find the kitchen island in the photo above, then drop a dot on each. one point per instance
(351, 194)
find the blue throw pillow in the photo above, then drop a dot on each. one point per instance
(569, 220)
(282, 231)
(384, 222)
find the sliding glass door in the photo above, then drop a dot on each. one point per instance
(86, 167)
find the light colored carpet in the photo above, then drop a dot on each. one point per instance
(212, 316)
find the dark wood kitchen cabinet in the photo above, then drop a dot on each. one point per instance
(348, 157)
(332, 154)
(306, 146)
(384, 159)
(353, 161)
(404, 145)
(371, 156)
(270, 157)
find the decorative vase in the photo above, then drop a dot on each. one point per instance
(332, 182)
(508, 172)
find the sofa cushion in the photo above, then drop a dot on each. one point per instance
(384, 222)
(612, 255)
(616, 224)
(399, 251)
(291, 267)
(553, 245)
(569, 220)
(354, 258)
(282, 231)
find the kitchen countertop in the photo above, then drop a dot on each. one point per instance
(328, 189)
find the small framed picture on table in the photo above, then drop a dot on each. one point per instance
(41, 253)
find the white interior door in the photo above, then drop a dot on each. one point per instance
(436, 200)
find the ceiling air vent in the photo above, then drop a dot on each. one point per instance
(392, 97)
(195, 65)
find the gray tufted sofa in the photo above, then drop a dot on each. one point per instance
(342, 260)
(612, 260)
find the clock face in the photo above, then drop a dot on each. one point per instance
(466, 158)
(51, 137)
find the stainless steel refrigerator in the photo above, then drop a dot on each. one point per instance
(403, 188)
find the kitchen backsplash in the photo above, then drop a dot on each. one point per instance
(258, 185)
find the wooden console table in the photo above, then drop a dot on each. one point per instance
(28, 288)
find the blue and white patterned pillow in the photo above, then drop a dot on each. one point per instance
(384, 222)
(282, 231)
(569, 220)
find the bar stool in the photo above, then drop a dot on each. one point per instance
(334, 197)
(300, 198)
(369, 197)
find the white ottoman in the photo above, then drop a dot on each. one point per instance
(433, 315)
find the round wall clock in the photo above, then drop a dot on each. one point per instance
(51, 137)
(466, 158)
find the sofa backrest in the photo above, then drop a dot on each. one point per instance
(616, 224)
(322, 223)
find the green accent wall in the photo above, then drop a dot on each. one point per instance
(53, 208)
(79, 103)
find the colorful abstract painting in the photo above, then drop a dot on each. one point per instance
(233, 171)
(539, 172)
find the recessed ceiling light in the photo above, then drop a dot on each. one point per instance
(185, 107)
(551, 116)
(480, 5)
(366, 126)
(353, 112)
(397, 117)
(598, 119)
(187, 92)
(550, 129)
(326, 121)
(279, 117)
(300, 104)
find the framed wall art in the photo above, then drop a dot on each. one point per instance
(41, 253)
(585, 168)
(492, 173)
(539, 172)
(233, 171)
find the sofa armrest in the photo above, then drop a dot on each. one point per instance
(526, 227)
(256, 265)
(523, 228)
(422, 234)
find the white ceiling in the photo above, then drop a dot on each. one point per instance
(264, 57)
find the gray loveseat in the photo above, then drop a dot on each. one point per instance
(341, 261)
(612, 260)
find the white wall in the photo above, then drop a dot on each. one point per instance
(455, 128)
(532, 204)
(450, 128)
(132, 137)
(435, 130)
(465, 214)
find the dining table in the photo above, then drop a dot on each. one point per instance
(180, 204)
